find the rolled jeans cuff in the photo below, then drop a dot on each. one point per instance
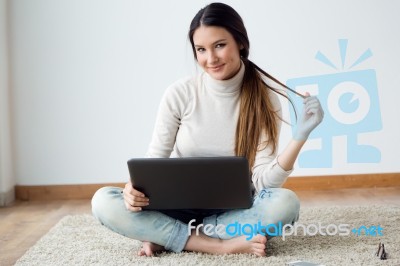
(178, 238)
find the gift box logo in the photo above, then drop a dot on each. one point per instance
(351, 105)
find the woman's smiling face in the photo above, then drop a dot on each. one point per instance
(217, 52)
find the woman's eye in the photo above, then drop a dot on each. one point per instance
(220, 45)
(200, 50)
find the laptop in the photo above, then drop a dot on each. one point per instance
(193, 182)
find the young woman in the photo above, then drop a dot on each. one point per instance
(226, 110)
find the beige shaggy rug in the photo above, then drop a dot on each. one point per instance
(81, 240)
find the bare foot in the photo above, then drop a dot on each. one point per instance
(149, 249)
(255, 246)
(206, 244)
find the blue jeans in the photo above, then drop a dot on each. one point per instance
(170, 228)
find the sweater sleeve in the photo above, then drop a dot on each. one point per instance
(267, 173)
(170, 113)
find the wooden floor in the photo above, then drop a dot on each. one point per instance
(23, 223)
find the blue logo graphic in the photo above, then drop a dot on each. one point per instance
(368, 231)
(351, 105)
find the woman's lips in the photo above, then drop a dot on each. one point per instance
(216, 68)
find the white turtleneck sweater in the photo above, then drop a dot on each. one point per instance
(197, 117)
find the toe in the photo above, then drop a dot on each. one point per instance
(259, 246)
(261, 253)
(141, 252)
(260, 239)
(149, 252)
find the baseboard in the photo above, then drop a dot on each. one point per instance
(343, 181)
(59, 192)
(86, 191)
(7, 197)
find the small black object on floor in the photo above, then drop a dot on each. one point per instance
(381, 253)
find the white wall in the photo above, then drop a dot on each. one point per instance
(7, 181)
(88, 75)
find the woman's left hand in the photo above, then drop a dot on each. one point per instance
(311, 117)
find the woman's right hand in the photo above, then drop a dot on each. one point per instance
(134, 199)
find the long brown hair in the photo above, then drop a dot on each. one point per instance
(256, 116)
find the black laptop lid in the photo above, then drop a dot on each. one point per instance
(193, 182)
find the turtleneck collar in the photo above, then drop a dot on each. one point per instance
(225, 87)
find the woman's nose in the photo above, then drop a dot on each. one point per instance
(212, 58)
